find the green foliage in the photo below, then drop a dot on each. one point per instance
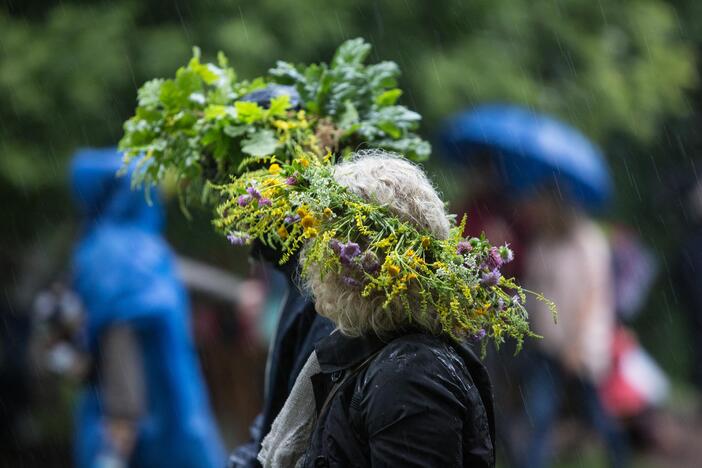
(199, 126)
(68, 71)
(359, 99)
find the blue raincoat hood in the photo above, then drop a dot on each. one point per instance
(103, 196)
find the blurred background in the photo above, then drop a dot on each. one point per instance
(625, 74)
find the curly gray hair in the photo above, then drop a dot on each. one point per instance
(404, 189)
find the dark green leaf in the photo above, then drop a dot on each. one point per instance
(349, 117)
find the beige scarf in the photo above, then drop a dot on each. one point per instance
(285, 444)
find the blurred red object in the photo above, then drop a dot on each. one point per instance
(635, 382)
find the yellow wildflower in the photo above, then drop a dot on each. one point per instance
(409, 253)
(426, 242)
(275, 168)
(281, 124)
(383, 243)
(304, 162)
(328, 213)
(394, 270)
(483, 310)
(312, 142)
(411, 276)
(497, 330)
(362, 228)
(283, 232)
(311, 232)
(308, 221)
(302, 212)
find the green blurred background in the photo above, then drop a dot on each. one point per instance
(625, 73)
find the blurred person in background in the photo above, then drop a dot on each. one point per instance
(58, 320)
(144, 402)
(299, 329)
(540, 177)
(568, 259)
(635, 388)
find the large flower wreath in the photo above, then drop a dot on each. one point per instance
(263, 151)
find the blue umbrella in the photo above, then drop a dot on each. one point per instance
(531, 149)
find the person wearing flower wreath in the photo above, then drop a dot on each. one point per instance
(389, 387)
(274, 113)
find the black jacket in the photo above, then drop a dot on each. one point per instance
(299, 329)
(417, 400)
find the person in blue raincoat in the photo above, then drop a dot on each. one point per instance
(145, 402)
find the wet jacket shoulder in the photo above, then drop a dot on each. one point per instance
(415, 401)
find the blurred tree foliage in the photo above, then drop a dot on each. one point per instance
(624, 72)
(68, 72)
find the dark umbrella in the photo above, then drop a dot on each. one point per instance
(531, 150)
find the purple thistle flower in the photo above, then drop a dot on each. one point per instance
(490, 278)
(464, 247)
(292, 180)
(494, 259)
(335, 245)
(264, 201)
(500, 304)
(291, 219)
(235, 239)
(516, 299)
(480, 335)
(253, 192)
(506, 254)
(244, 200)
(348, 252)
(370, 262)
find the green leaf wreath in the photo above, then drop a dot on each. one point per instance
(269, 170)
(200, 127)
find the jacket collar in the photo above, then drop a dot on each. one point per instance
(338, 352)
